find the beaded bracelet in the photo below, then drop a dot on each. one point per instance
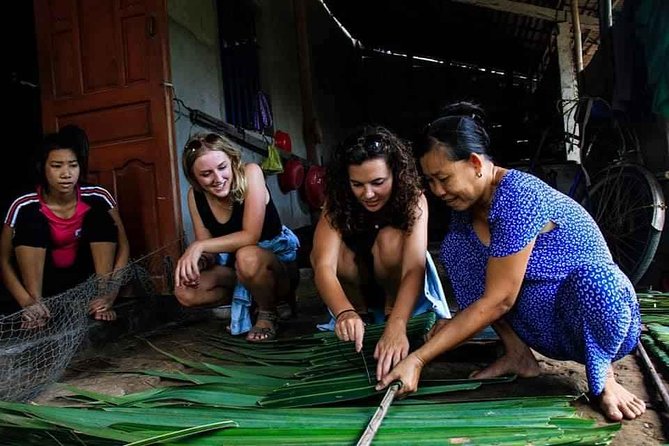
(342, 312)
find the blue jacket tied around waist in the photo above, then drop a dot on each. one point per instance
(284, 246)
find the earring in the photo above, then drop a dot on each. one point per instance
(479, 174)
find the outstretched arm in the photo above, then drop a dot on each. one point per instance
(123, 248)
(504, 277)
(394, 344)
(324, 260)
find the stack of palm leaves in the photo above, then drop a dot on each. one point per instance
(656, 341)
(257, 394)
(654, 309)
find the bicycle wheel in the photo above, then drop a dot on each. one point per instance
(627, 203)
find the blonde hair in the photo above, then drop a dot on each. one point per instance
(201, 143)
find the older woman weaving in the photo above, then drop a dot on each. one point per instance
(530, 261)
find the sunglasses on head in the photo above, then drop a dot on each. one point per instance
(196, 143)
(371, 143)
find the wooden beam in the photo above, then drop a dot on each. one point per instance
(607, 15)
(578, 47)
(529, 10)
(569, 92)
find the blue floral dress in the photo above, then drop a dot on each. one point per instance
(574, 303)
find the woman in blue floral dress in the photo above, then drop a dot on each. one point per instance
(527, 259)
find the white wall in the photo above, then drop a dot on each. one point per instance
(196, 73)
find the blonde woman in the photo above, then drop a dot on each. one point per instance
(241, 251)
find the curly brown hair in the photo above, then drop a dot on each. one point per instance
(344, 211)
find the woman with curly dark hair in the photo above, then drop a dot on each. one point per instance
(370, 245)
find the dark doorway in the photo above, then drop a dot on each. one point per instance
(20, 85)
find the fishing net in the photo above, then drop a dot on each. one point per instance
(34, 355)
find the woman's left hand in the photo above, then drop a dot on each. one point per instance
(391, 349)
(407, 372)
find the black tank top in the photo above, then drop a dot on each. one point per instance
(271, 226)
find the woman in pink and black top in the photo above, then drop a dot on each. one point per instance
(62, 233)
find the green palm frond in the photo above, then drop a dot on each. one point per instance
(291, 392)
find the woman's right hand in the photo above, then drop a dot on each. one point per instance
(187, 272)
(35, 316)
(350, 327)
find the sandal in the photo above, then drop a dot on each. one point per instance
(263, 334)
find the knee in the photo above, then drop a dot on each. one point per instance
(248, 263)
(185, 296)
(600, 284)
(347, 267)
(387, 248)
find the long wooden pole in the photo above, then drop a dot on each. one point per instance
(659, 384)
(377, 418)
(578, 45)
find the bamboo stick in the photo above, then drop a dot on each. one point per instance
(657, 380)
(377, 418)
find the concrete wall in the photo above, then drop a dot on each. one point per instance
(279, 78)
(198, 82)
(196, 74)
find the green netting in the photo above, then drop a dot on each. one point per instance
(33, 357)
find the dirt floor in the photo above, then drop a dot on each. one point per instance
(110, 370)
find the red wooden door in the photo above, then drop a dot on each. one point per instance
(103, 65)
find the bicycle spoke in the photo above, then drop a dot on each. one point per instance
(608, 194)
(623, 201)
(620, 243)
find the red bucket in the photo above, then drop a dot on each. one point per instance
(282, 141)
(313, 189)
(292, 176)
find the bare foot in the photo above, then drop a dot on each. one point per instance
(616, 402)
(522, 364)
(105, 315)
